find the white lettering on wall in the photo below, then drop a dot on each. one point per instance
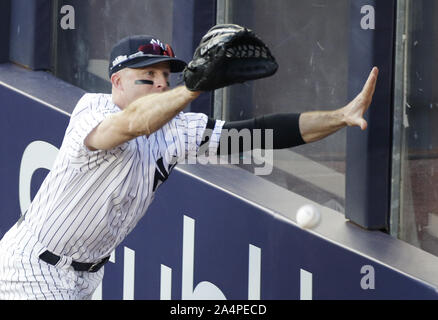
(205, 290)
(254, 272)
(128, 274)
(37, 155)
(306, 285)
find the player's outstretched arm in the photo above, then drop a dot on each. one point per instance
(144, 116)
(317, 125)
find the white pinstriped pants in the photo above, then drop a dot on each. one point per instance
(23, 276)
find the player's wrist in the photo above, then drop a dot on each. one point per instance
(340, 117)
(192, 94)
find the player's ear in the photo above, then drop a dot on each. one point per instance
(117, 81)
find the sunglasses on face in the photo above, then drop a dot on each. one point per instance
(155, 49)
(147, 50)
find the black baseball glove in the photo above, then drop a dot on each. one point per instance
(228, 54)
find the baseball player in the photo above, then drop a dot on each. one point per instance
(118, 148)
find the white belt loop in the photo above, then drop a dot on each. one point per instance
(64, 263)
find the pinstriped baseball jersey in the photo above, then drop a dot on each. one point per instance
(24, 276)
(91, 200)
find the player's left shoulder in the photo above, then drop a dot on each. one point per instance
(103, 103)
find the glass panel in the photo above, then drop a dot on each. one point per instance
(419, 158)
(82, 53)
(311, 44)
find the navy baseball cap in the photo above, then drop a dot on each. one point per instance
(141, 51)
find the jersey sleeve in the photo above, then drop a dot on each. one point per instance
(188, 135)
(89, 112)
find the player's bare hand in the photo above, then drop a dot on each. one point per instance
(354, 111)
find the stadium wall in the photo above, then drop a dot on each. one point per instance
(213, 232)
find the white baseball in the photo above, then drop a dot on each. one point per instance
(308, 216)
